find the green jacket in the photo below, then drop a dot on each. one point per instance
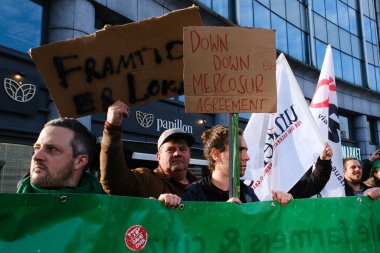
(87, 184)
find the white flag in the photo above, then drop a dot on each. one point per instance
(283, 145)
(324, 108)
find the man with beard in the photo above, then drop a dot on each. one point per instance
(62, 152)
(353, 180)
(166, 182)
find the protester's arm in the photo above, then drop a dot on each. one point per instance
(235, 200)
(313, 181)
(115, 176)
(367, 163)
(373, 193)
(170, 200)
(282, 197)
(375, 154)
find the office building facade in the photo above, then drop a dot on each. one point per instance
(303, 29)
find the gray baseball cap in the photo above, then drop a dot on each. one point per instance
(175, 134)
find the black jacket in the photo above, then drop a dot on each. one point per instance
(205, 190)
(348, 189)
(313, 181)
(366, 170)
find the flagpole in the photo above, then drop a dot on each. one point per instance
(234, 161)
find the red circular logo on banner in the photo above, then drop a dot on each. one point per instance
(136, 238)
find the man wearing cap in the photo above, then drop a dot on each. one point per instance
(170, 177)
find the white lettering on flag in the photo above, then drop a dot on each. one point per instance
(283, 145)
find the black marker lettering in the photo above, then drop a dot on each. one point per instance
(62, 72)
(89, 68)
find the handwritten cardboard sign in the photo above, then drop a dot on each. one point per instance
(229, 70)
(137, 63)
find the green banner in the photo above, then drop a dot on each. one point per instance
(99, 223)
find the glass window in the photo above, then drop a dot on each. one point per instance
(345, 41)
(181, 98)
(320, 49)
(221, 7)
(377, 75)
(320, 28)
(343, 16)
(261, 16)
(347, 67)
(245, 115)
(369, 53)
(371, 9)
(337, 63)
(353, 4)
(373, 31)
(356, 47)
(365, 7)
(206, 2)
(333, 34)
(278, 6)
(358, 72)
(344, 127)
(264, 2)
(372, 130)
(319, 7)
(293, 12)
(367, 29)
(331, 13)
(20, 24)
(375, 55)
(372, 77)
(281, 38)
(246, 13)
(353, 17)
(295, 42)
(306, 46)
(304, 17)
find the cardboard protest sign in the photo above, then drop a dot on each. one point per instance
(137, 63)
(229, 70)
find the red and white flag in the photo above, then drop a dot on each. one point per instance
(283, 145)
(324, 108)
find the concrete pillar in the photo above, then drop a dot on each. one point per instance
(361, 130)
(69, 19)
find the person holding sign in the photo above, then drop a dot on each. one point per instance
(62, 152)
(170, 178)
(216, 186)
